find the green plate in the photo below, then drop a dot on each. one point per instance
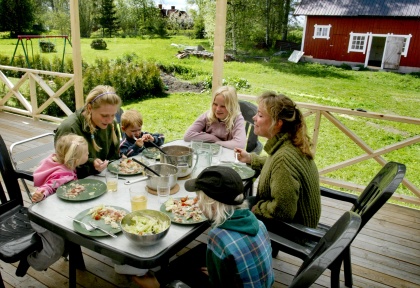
(85, 217)
(243, 170)
(93, 189)
(151, 152)
(182, 219)
(113, 167)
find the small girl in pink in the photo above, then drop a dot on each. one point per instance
(70, 151)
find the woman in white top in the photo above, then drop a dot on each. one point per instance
(223, 124)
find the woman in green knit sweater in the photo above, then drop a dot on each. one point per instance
(288, 188)
(96, 123)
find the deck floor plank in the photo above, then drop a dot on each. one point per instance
(385, 254)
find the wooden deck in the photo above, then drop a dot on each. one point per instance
(385, 254)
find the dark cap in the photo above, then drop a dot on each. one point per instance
(218, 182)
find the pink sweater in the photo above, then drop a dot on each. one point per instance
(216, 132)
(50, 175)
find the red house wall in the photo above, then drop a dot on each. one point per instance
(336, 47)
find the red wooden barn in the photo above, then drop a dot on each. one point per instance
(378, 33)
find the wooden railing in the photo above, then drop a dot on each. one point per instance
(35, 77)
(28, 81)
(327, 112)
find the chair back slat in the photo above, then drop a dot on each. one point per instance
(379, 190)
(328, 249)
(7, 171)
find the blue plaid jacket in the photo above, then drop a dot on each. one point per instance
(129, 148)
(239, 253)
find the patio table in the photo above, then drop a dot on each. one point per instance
(52, 213)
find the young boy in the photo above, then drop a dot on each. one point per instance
(135, 141)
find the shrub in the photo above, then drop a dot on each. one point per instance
(47, 46)
(132, 80)
(98, 44)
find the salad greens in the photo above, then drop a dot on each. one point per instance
(146, 225)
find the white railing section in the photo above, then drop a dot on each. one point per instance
(28, 82)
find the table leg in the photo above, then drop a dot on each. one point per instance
(75, 262)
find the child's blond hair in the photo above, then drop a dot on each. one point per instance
(69, 149)
(130, 118)
(231, 103)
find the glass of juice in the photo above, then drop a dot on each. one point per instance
(138, 198)
(111, 181)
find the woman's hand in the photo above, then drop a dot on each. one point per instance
(38, 195)
(243, 156)
(99, 164)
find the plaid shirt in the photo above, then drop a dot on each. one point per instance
(239, 253)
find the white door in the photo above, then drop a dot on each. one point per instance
(392, 55)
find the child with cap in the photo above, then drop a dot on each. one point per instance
(238, 252)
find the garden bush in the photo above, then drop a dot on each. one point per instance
(98, 44)
(131, 80)
(47, 46)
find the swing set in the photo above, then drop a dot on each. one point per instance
(29, 38)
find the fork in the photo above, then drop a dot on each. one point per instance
(85, 225)
(103, 230)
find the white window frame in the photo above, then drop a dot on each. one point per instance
(406, 45)
(355, 39)
(322, 31)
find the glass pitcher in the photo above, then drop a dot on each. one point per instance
(203, 158)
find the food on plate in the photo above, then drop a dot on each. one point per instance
(146, 225)
(110, 215)
(128, 166)
(185, 210)
(73, 190)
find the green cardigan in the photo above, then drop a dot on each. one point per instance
(103, 137)
(288, 188)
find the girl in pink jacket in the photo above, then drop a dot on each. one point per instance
(70, 151)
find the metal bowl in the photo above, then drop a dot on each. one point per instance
(165, 170)
(179, 156)
(145, 240)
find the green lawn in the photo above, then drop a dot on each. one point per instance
(381, 92)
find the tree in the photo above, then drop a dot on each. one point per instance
(88, 12)
(108, 18)
(17, 16)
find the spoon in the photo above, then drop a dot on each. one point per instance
(161, 150)
(147, 167)
(153, 143)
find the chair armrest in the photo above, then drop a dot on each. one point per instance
(289, 247)
(25, 175)
(338, 195)
(303, 232)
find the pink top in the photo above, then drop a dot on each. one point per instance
(216, 132)
(50, 175)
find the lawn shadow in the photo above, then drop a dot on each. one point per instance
(302, 68)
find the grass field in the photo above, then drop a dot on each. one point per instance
(381, 92)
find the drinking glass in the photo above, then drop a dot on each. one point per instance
(111, 181)
(163, 189)
(138, 198)
(216, 150)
